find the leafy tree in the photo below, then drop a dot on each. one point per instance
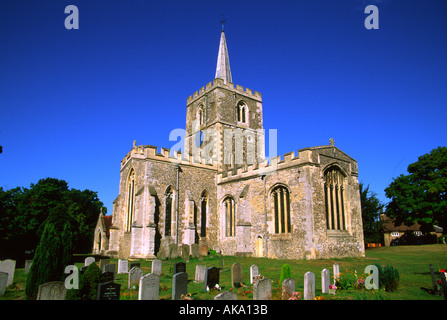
(421, 196)
(371, 208)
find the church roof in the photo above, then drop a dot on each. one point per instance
(223, 61)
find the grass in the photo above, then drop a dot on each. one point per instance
(411, 261)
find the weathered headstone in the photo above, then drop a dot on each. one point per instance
(236, 275)
(163, 252)
(149, 287)
(123, 266)
(185, 252)
(107, 276)
(3, 281)
(336, 269)
(226, 295)
(325, 280)
(173, 251)
(254, 272)
(103, 263)
(134, 277)
(200, 273)
(195, 250)
(8, 266)
(212, 275)
(288, 288)
(156, 267)
(88, 261)
(110, 267)
(204, 250)
(179, 285)
(179, 267)
(108, 291)
(54, 290)
(309, 286)
(28, 264)
(262, 289)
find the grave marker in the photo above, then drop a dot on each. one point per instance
(200, 273)
(156, 267)
(236, 275)
(103, 263)
(179, 267)
(309, 286)
(134, 276)
(108, 291)
(3, 282)
(123, 266)
(336, 269)
(325, 281)
(8, 266)
(226, 295)
(288, 288)
(195, 251)
(149, 287)
(254, 272)
(54, 290)
(88, 261)
(179, 285)
(211, 278)
(262, 289)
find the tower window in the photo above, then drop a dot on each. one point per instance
(242, 112)
(334, 199)
(201, 115)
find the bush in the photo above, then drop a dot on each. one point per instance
(388, 278)
(88, 284)
(286, 273)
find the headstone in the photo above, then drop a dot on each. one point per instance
(288, 288)
(200, 273)
(149, 287)
(262, 289)
(110, 267)
(173, 251)
(3, 281)
(163, 252)
(107, 276)
(108, 291)
(134, 264)
(156, 267)
(226, 295)
(211, 278)
(54, 290)
(443, 284)
(236, 275)
(185, 252)
(123, 266)
(433, 279)
(179, 267)
(325, 280)
(103, 263)
(88, 261)
(28, 264)
(195, 250)
(254, 272)
(8, 266)
(309, 286)
(336, 268)
(134, 277)
(179, 285)
(204, 250)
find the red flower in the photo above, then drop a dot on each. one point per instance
(442, 270)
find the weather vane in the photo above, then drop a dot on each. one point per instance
(222, 21)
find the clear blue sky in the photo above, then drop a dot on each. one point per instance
(73, 101)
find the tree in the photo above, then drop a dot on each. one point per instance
(421, 196)
(371, 208)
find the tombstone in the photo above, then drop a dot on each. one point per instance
(211, 278)
(107, 276)
(163, 252)
(156, 267)
(179, 285)
(288, 288)
(262, 289)
(236, 275)
(88, 261)
(179, 267)
(185, 252)
(149, 287)
(254, 272)
(123, 266)
(226, 295)
(3, 282)
(325, 280)
(28, 264)
(103, 263)
(173, 251)
(54, 290)
(110, 267)
(336, 268)
(135, 264)
(200, 273)
(443, 284)
(195, 250)
(309, 286)
(204, 250)
(8, 266)
(108, 291)
(134, 276)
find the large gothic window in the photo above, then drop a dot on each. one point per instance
(130, 200)
(203, 213)
(169, 195)
(281, 207)
(334, 199)
(242, 112)
(230, 223)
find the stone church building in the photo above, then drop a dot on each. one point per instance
(220, 192)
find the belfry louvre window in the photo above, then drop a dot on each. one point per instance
(168, 210)
(230, 224)
(242, 111)
(334, 199)
(281, 207)
(130, 200)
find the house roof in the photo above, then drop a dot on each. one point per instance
(389, 225)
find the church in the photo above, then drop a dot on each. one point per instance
(221, 193)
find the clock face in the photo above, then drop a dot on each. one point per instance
(199, 138)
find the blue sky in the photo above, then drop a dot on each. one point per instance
(73, 101)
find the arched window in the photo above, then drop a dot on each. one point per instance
(203, 213)
(242, 112)
(169, 196)
(281, 207)
(230, 223)
(201, 115)
(334, 199)
(130, 200)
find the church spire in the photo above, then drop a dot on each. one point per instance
(223, 61)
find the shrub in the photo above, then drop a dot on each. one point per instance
(388, 278)
(347, 280)
(286, 273)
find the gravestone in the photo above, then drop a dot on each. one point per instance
(8, 266)
(156, 267)
(195, 251)
(288, 288)
(149, 287)
(103, 263)
(204, 250)
(179, 267)
(336, 269)
(107, 276)
(173, 251)
(110, 267)
(28, 264)
(123, 266)
(88, 261)
(262, 289)
(309, 286)
(134, 264)
(325, 280)
(134, 277)
(185, 252)
(226, 295)
(433, 280)
(236, 275)
(3, 281)
(200, 273)
(254, 272)
(179, 285)
(108, 291)
(211, 278)
(443, 284)
(163, 252)
(54, 290)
